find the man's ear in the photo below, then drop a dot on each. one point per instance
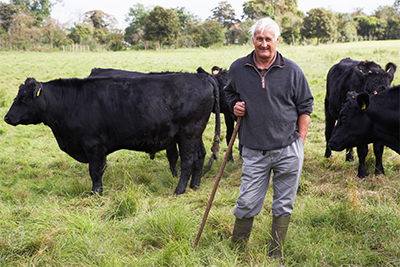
(363, 100)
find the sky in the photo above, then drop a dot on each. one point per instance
(70, 11)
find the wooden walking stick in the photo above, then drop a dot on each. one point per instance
(221, 170)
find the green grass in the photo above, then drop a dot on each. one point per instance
(49, 218)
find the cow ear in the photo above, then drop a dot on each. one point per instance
(201, 70)
(38, 91)
(363, 101)
(391, 69)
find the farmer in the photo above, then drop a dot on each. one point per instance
(272, 95)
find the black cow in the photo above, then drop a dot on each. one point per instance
(172, 151)
(359, 76)
(93, 117)
(368, 118)
(221, 76)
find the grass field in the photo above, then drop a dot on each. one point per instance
(49, 218)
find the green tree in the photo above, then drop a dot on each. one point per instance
(184, 17)
(40, 9)
(102, 23)
(224, 14)
(397, 5)
(23, 34)
(239, 33)
(283, 7)
(53, 33)
(162, 26)
(290, 28)
(256, 9)
(367, 27)
(319, 23)
(7, 11)
(346, 28)
(189, 25)
(136, 17)
(116, 38)
(99, 19)
(213, 33)
(389, 22)
(81, 33)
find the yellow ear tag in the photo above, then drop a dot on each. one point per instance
(363, 106)
(38, 92)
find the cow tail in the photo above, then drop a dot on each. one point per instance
(217, 132)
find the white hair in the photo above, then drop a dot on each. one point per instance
(265, 22)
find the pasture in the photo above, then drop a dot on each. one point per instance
(49, 218)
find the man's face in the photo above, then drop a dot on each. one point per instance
(265, 43)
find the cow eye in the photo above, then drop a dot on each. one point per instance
(20, 100)
(343, 119)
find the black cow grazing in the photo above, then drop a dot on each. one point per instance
(367, 118)
(359, 76)
(93, 117)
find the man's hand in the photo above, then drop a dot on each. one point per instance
(239, 109)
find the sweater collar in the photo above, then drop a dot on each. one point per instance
(279, 60)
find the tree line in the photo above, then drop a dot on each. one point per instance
(27, 25)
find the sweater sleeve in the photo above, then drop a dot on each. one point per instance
(304, 97)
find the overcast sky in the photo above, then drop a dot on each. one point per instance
(71, 11)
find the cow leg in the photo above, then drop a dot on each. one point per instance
(172, 155)
(229, 123)
(349, 155)
(378, 151)
(188, 151)
(198, 167)
(97, 164)
(329, 125)
(362, 152)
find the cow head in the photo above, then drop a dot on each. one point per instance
(25, 109)
(375, 78)
(353, 125)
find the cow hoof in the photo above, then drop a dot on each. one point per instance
(349, 159)
(361, 176)
(100, 193)
(177, 193)
(195, 188)
(379, 172)
(174, 172)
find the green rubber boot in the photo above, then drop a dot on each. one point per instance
(278, 235)
(242, 230)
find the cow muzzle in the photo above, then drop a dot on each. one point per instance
(9, 121)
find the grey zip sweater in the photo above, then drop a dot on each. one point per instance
(273, 101)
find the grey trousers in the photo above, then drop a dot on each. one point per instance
(285, 164)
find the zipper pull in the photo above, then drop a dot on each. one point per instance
(263, 82)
